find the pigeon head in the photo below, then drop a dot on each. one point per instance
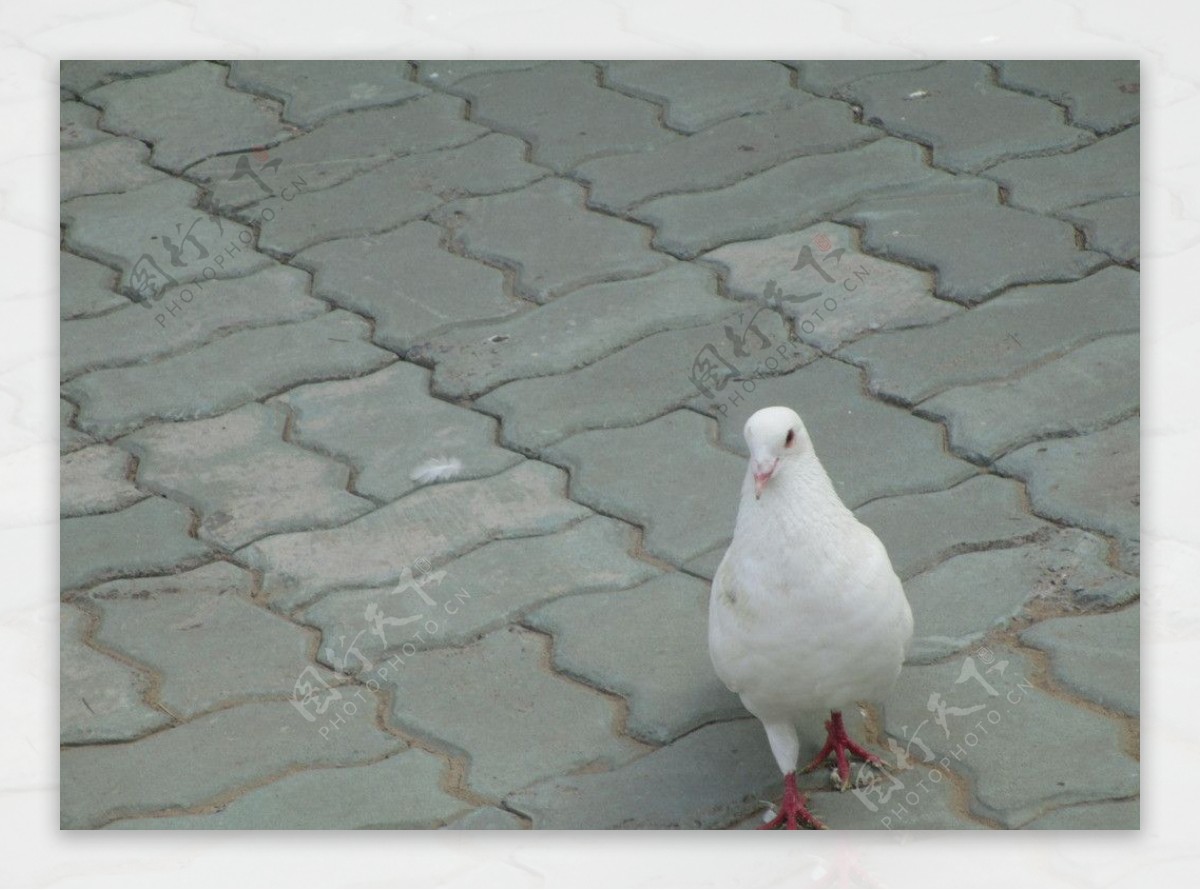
(776, 437)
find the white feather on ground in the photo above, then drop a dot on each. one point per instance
(436, 469)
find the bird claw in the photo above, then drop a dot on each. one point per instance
(839, 743)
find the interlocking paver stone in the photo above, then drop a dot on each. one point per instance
(581, 327)
(1095, 656)
(110, 165)
(208, 758)
(650, 646)
(211, 579)
(151, 536)
(313, 90)
(433, 524)
(1040, 753)
(1086, 389)
(960, 600)
(85, 287)
(69, 439)
(447, 73)
(242, 478)
(1101, 95)
(841, 295)
(516, 721)
(697, 94)
(82, 75)
(1117, 814)
(139, 333)
(357, 420)
(100, 698)
(722, 154)
(552, 240)
(993, 341)
(489, 818)
(790, 196)
(937, 808)
(829, 77)
(1106, 169)
(197, 384)
(79, 125)
(684, 514)
(561, 110)
(977, 245)
(94, 480)
(176, 110)
(1111, 226)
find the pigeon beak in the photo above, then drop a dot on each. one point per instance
(763, 471)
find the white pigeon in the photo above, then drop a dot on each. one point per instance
(806, 612)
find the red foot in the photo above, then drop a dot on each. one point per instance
(792, 811)
(838, 742)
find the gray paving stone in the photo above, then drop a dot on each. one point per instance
(503, 580)
(635, 384)
(561, 110)
(830, 76)
(152, 228)
(787, 197)
(149, 537)
(1036, 753)
(960, 600)
(1013, 331)
(955, 108)
(446, 73)
(550, 238)
(85, 287)
(1089, 388)
(229, 372)
(1111, 226)
(140, 332)
(357, 421)
(1101, 94)
(94, 480)
(1108, 168)
(236, 471)
(207, 642)
(937, 806)
(708, 779)
(844, 296)
(1094, 656)
(684, 514)
(207, 759)
(82, 75)
(869, 448)
(397, 192)
(407, 283)
(921, 530)
(698, 94)
(175, 111)
(110, 165)
(434, 523)
(574, 330)
(650, 646)
(400, 791)
(722, 154)
(977, 246)
(313, 90)
(212, 579)
(516, 721)
(489, 818)
(1089, 481)
(69, 439)
(100, 699)
(79, 125)
(1117, 814)
(345, 145)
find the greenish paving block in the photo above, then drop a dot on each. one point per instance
(446, 73)
(151, 536)
(358, 421)
(100, 699)
(94, 480)
(1118, 814)
(915, 799)
(1020, 328)
(80, 75)
(830, 76)
(1111, 226)
(650, 646)
(312, 90)
(573, 331)
(921, 530)
(243, 367)
(69, 439)
(79, 125)
(1100, 94)
(211, 757)
(86, 287)
(489, 818)
(1023, 751)
(787, 197)
(407, 282)
(1086, 389)
(242, 478)
(110, 165)
(175, 111)
(1095, 656)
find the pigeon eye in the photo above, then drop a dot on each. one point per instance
(791, 438)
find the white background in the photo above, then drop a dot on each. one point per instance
(34, 36)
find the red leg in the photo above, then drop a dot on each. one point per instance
(838, 743)
(792, 810)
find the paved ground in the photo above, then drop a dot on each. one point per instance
(287, 288)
